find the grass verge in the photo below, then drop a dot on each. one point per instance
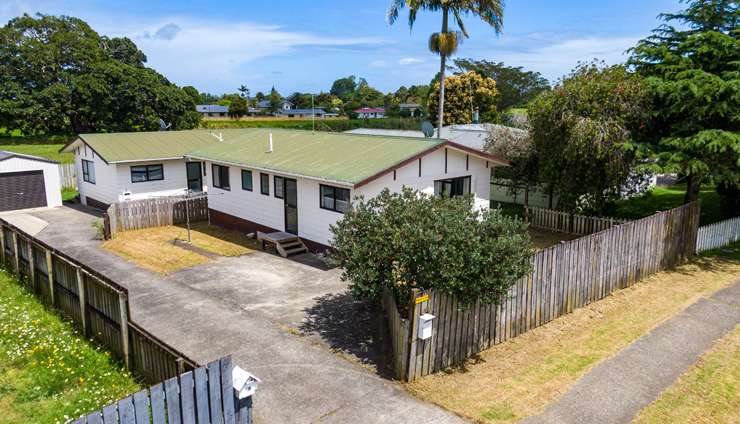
(518, 378)
(48, 372)
(164, 249)
(709, 392)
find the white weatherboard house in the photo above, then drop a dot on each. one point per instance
(298, 182)
(28, 182)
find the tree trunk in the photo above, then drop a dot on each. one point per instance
(443, 59)
(693, 184)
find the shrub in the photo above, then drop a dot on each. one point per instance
(402, 241)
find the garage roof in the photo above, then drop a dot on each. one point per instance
(4, 154)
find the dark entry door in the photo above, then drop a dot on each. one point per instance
(291, 206)
(195, 176)
(22, 190)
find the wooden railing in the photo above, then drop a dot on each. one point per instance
(565, 222)
(564, 277)
(154, 212)
(96, 304)
(203, 395)
(718, 234)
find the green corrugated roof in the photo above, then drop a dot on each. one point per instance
(118, 147)
(339, 157)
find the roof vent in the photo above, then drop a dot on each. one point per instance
(269, 147)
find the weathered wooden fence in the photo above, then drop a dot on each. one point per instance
(203, 395)
(96, 304)
(565, 222)
(67, 175)
(718, 234)
(154, 212)
(564, 277)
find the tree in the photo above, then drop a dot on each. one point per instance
(693, 76)
(465, 93)
(446, 42)
(238, 107)
(402, 241)
(276, 100)
(516, 146)
(516, 86)
(60, 77)
(584, 131)
(244, 91)
(344, 87)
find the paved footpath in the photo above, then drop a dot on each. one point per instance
(619, 388)
(303, 382)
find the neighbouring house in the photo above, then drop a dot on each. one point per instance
(212, 110)
(119, 166)
(412, 108)
(302, 113)
(264, 105)
(470, 135)
(370, 112)
(300, 183)
(28, 182)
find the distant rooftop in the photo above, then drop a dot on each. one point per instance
(4, 154)
(370, 110)
(212, 109)
(316, 111)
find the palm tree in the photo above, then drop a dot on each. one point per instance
(446, 42)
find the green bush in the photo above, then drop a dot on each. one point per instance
(402, 241)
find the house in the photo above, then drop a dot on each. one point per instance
(264, 105)
(412, 108)
(470, 135)
(301, 183)
(28, 182)
(119, 166)
(370, 112)
(212, 110)
(302, 113)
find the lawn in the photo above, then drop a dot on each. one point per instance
(664, 198)
(48, 372)
(707, 393)
(165, 249)
(542, 238)
(518, 378)
(49, 151)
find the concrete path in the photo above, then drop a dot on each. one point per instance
(619, 388)
(303, 381)
(28, 223)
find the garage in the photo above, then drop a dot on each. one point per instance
(28, 182)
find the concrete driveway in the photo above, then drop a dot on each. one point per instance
(280, 319)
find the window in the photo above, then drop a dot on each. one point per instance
(246, 180)
(220, 176)
(279, 186)
(265, 184)
(140, 174)
(334, 198)
(88, 171)
(452, 187)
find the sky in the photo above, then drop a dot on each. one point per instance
(304, 45)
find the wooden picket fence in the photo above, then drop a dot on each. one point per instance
(565, 222)
(718, 234)
(96, 304)
(564, 277)
(154, 212)
(67, 175)
(203, 395)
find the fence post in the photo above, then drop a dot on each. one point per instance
(413, 323)
(123, 309)
(243, 410)
(16, 255)
(50, 275)
(31, 265)
(2, 244)
(81, 296)
(180, 363)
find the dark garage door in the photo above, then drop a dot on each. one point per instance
(21, 190)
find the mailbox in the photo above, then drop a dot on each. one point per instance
(245, 383)
(425, 326)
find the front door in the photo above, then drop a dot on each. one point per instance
(195, 176)
(291, 206)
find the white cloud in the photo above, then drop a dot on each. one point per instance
(406, 61)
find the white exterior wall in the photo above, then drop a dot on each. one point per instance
(105, 188)
(175, 180)
(432, 169)
(52, 182)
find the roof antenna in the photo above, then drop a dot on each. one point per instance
(269, 149)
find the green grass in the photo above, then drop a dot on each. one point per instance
(49, 151)
(664, 198)
(68, 194)
(48, 372)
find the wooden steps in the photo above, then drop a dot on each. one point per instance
(286, 244)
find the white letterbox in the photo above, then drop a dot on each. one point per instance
(245, 383)
(425, 326)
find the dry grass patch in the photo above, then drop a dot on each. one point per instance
(542, 239)
(709, 392)
(518, 378)
(164, 249)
